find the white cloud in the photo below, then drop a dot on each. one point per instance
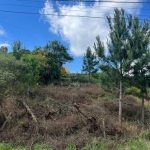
(80, 32)
(4, 44)
(2, 31)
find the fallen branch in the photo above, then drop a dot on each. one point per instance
(50, 114)
(89, 119)
(30, 112)
(77, 108)
(7, 120)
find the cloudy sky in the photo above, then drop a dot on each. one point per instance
(74, 24)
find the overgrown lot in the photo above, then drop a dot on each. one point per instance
(76, 115)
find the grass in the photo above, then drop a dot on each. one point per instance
(132, 144)
(11, 147)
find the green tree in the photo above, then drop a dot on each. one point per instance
(139, 42)
(3, 49)
(117, 58)
(55, 56)
(11, 72)
(19, 50)
(31, 76)
(89, 63)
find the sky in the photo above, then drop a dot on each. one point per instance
(72, 22)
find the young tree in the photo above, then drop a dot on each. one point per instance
(19, 50)
(118, 52)
(139, 42)
(89, 63)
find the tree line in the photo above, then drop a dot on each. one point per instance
(24, 67)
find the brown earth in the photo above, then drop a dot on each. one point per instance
(67, 115)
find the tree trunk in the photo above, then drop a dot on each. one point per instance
(89, 78)
(120, 103)
(142, 110)
(28, 90)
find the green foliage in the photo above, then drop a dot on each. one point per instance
(82, 78)
(50, 61)
(139, 41)
(89, 63)
(133, 91)
(57, 51)
(32, 70)
(3, 49)
(128, 57)
(146, 135)
(136, 144)
(10, 147)
(11, 72)
(100, 146)
(70, 147)
(18, 49)
(108, 79)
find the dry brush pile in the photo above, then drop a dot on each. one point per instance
(59, 116)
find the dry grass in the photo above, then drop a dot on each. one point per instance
(65, 124)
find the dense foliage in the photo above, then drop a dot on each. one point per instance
(42, 65)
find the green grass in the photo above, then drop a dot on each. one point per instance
(11, 147)
(137, 145)
(133, 144)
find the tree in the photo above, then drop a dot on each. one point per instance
(19, 50)
(3, 49)
(11, 72)
(89, 63)
(139, 42)
(118, 52)
(31, 76)
(56, 55)
(58, 52)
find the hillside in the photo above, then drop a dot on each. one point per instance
(77, 115)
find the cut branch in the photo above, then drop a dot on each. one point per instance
(78, 109)
(30, 112)
(7, 120)
(90, 119)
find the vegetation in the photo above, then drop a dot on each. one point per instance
(89, 63)
(42, 106)
(128, 53)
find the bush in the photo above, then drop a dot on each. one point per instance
(133, 91)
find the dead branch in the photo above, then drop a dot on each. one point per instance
(50, 114)
(89, 119)
(78, 109)
(7, 120)
(30, 112)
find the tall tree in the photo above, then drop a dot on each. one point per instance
(139, 42)
(56, 55)
(58, 52)
(89, 63)
(118, 52)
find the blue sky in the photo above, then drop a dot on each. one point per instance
(76, 33)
